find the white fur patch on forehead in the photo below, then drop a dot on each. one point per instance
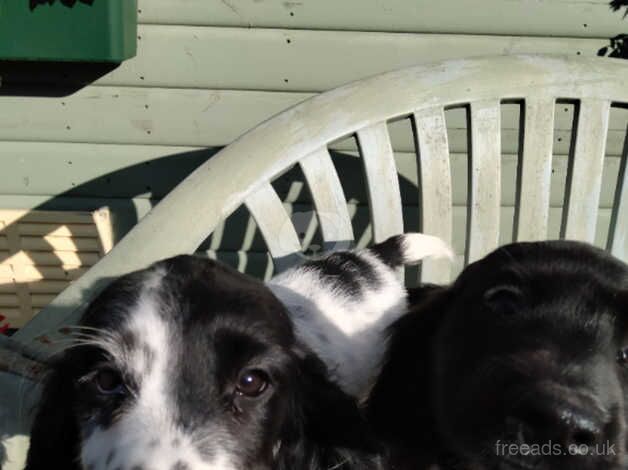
(141, 327)
(133, 344)
(141, 341)
(145, 433)
(149, 355)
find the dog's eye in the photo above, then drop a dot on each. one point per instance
(252, 383)
(109, 382)
(622, 356)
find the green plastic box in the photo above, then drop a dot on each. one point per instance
(68, 30)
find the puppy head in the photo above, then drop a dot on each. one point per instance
(519, 367)
(530, 351)
(185, 365)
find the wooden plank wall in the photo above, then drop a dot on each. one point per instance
(208, 70)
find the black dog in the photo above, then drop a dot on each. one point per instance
(520, 364)
(190, 365)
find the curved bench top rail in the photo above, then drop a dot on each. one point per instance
(182, 220)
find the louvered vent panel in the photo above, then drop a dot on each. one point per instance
(41, 253)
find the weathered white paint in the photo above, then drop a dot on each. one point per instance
(275, 225)
(484, 179)
(382, 181)
(328, 197)
(585, 178)
(435, 186)
(535, 169)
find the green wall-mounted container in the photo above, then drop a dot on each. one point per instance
(68, 30)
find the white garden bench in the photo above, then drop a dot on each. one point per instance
(243, 171)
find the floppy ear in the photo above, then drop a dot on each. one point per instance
(330, 431)
(399, 403)
(504, 299)
(54, 434)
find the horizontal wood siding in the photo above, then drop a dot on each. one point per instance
(302, 60)
(575, 18)
(198, 117)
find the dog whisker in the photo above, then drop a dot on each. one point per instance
(85, 328)
(339, 465)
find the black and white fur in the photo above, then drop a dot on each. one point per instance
(160, 376)
(342, 303)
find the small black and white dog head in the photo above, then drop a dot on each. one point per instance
(191, 365)
(522, 363)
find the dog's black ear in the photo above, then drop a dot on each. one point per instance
(330, 430)
(399, 403)
(504, 299)
(54, 440)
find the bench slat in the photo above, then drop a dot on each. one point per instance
(329, 199)
(618, 236)
(585, 172)
(275, 225)
(382, 181)
(435, 186)
(535, 170)
(484, 179)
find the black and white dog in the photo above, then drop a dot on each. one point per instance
(191, 365)
(520, 364)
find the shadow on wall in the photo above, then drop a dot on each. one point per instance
(49, 78)
(616, 5)
(618, 46)
(118, 191)
(130, 192)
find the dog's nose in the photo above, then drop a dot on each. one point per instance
(541, 420)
